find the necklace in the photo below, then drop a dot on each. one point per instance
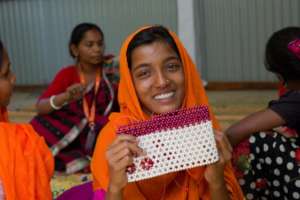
(90, 112)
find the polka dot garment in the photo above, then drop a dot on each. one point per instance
(274, 168)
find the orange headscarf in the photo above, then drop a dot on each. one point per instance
(26, 163)
(188, 184)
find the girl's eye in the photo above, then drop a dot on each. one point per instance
(173, 67)
(143, 74)
(89, 44)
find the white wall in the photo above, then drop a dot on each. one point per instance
(186, 26)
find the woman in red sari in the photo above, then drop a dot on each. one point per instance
(75, 106)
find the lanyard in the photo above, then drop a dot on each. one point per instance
(90, 112)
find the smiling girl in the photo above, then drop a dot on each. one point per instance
(157, 76)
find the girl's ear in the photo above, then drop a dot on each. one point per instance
(74, 50)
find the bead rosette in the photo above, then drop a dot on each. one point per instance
(173, 141)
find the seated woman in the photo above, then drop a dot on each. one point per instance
(157, 76)
(271, 169)
(75, 106)
(26, 163)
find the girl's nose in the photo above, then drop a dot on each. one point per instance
(98, 47)
(161, 80)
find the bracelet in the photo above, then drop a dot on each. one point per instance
(52, 103)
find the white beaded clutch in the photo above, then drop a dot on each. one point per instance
(173, 141)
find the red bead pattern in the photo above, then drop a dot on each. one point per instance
(146, 163)
(131, 169)
(261, 183)
(166, 121)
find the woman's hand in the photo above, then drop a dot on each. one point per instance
(214, 173)
(75, 92)
(119, 156)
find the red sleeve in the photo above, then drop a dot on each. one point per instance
(63, 79)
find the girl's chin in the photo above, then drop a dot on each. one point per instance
(166, 109)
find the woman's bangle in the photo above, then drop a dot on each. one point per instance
(52, 103)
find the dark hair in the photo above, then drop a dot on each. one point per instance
(1, 52)
(78, 34)
(278, 58)
(148, 36)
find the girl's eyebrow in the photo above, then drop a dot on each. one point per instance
(140, 66)
(91, 40)
(147, 64)
(171, 58)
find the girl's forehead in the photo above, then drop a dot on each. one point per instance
(92, 34)
(152, 52)
(155, 47)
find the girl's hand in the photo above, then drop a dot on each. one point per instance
(214, 173)
(120, 155)
(75, 92)
(286, 132)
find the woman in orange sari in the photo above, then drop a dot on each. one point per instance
(157, 76)
(26, 163)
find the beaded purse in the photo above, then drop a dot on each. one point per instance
(173, 141)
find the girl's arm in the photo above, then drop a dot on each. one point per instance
(113, 194)
(64, 86)
(214, 173)
(44, 106)
(47, 105)
(219, 191)
(260, 121)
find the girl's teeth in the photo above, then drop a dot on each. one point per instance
(164, 96)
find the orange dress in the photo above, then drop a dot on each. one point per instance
(188, 184)
(26, 163)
